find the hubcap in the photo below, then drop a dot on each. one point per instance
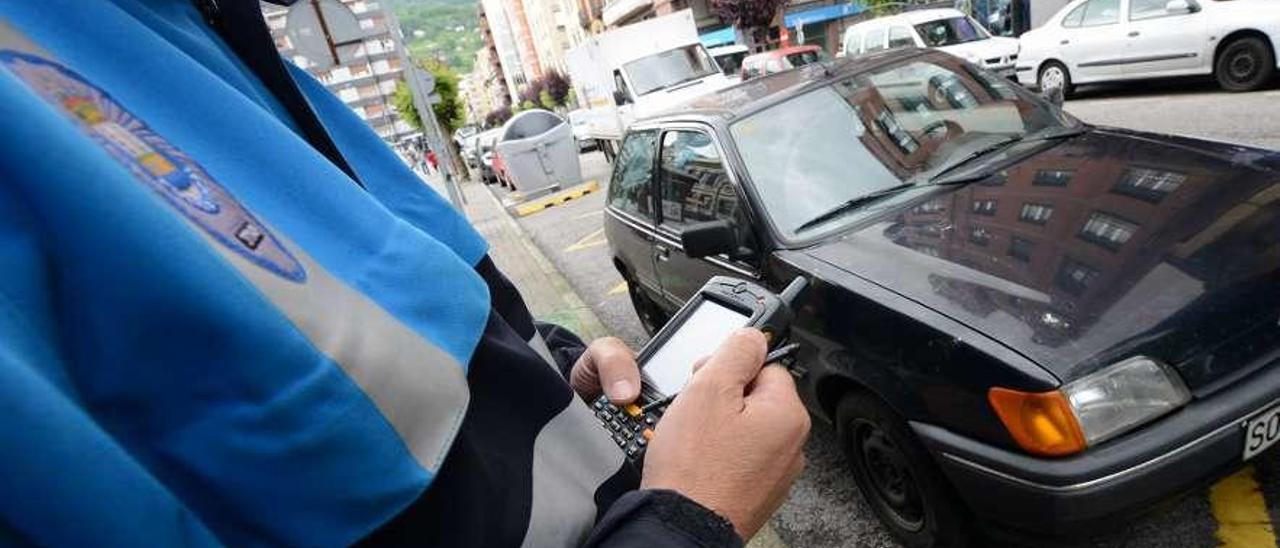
(1242, 67)
(1052, 78)
(894, 488)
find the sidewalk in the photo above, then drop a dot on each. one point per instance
(546, 292)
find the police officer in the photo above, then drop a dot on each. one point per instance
(230, 315)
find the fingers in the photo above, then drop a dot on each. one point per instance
(699, 363)
(615, 365)
(736, 362)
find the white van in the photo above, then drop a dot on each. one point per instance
(945, 29)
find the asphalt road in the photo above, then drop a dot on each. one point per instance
(825, 509)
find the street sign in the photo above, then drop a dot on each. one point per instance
(326, 32)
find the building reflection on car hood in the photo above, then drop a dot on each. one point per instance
(1111, 244)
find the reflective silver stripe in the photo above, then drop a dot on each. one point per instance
(572, 457)
(420, 389)
(539, 345)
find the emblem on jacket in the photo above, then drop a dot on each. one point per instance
(177, 178)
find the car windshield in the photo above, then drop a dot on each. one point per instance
(671, 67)
(800, 59)
(731, 63)
(898, 124)
(949, 32)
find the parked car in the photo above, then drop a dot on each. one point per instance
(1109, 40)
(485, 141)
(1014, 318)
(778, 60)
(945, 29)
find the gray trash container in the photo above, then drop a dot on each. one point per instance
(539, 152)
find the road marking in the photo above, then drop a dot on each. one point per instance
(593, 239)
(620, 288)
(1241, 512)
(554, 199)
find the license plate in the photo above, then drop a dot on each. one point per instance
(1261, 431)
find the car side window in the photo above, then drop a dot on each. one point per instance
(1149, 9)
(1072, 20)
(695, 186)
(773, 66)
(875, 41)
(630, 189)
(900, 37)
(1101, 12)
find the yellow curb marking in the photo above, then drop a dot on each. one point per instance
(557, 198)
(593, 239)
(1241, 512)
(620, 288)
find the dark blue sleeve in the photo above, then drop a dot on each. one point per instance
(647, 518)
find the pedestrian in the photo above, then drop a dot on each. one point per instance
(229, 314)
(431, 161)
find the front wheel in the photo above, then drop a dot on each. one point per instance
(1245, 64)
(897, 477)
(651, 317)
(1055, 75)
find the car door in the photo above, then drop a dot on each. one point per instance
(1161, 41)
(1092, 41)
(629, 222)
(695, 187)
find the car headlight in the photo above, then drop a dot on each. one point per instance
(1119, 398)
(1091, 409)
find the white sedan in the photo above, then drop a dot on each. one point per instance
(1107, 40)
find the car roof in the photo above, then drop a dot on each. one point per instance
(758, 93)
(914, 17)
(782, 52)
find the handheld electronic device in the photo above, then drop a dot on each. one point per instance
(722, 306)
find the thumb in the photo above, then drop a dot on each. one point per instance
(615, 364)
(737, 361)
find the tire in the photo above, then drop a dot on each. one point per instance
(652, 318)
(1244, 64)
(897, 477)
(1056, 72)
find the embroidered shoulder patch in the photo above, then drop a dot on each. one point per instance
(154, 161)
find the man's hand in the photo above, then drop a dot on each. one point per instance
(607, 364)
(732, 441)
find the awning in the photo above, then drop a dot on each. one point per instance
(718, 37)
(818, 15)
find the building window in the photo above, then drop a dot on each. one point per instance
(979, 235)
(1053, 177)
(984, 207)
(931, 206)
(1074, 277)
(1020, 248)
(1107, 230)
(1149, 185)
(1036, 213)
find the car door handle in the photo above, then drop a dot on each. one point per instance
(1064, 42)
(1133, 33)
(663, 252)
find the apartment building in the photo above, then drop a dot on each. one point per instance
(367, 82)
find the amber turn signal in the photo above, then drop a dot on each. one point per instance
(1040, 422)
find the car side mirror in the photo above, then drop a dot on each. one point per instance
(712, 238)
(1178, 6)
(619, 98)
(1054, 95)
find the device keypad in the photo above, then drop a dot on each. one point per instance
(629, 426)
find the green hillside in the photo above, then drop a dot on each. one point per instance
(440, 29)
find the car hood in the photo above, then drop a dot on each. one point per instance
(990, 48)
(1107, 245)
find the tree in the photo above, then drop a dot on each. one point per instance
(497, 117)
(449, 111)
(748, 15)
(558, 86)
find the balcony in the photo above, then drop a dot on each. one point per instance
(619, 10)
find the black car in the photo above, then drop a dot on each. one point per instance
(1014, 318)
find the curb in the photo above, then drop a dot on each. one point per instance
(590, 325)
(571, 193)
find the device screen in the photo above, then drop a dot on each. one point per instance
(671, 366)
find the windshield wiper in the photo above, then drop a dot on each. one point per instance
(937, 176)
(938, 180)
(851, 205)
